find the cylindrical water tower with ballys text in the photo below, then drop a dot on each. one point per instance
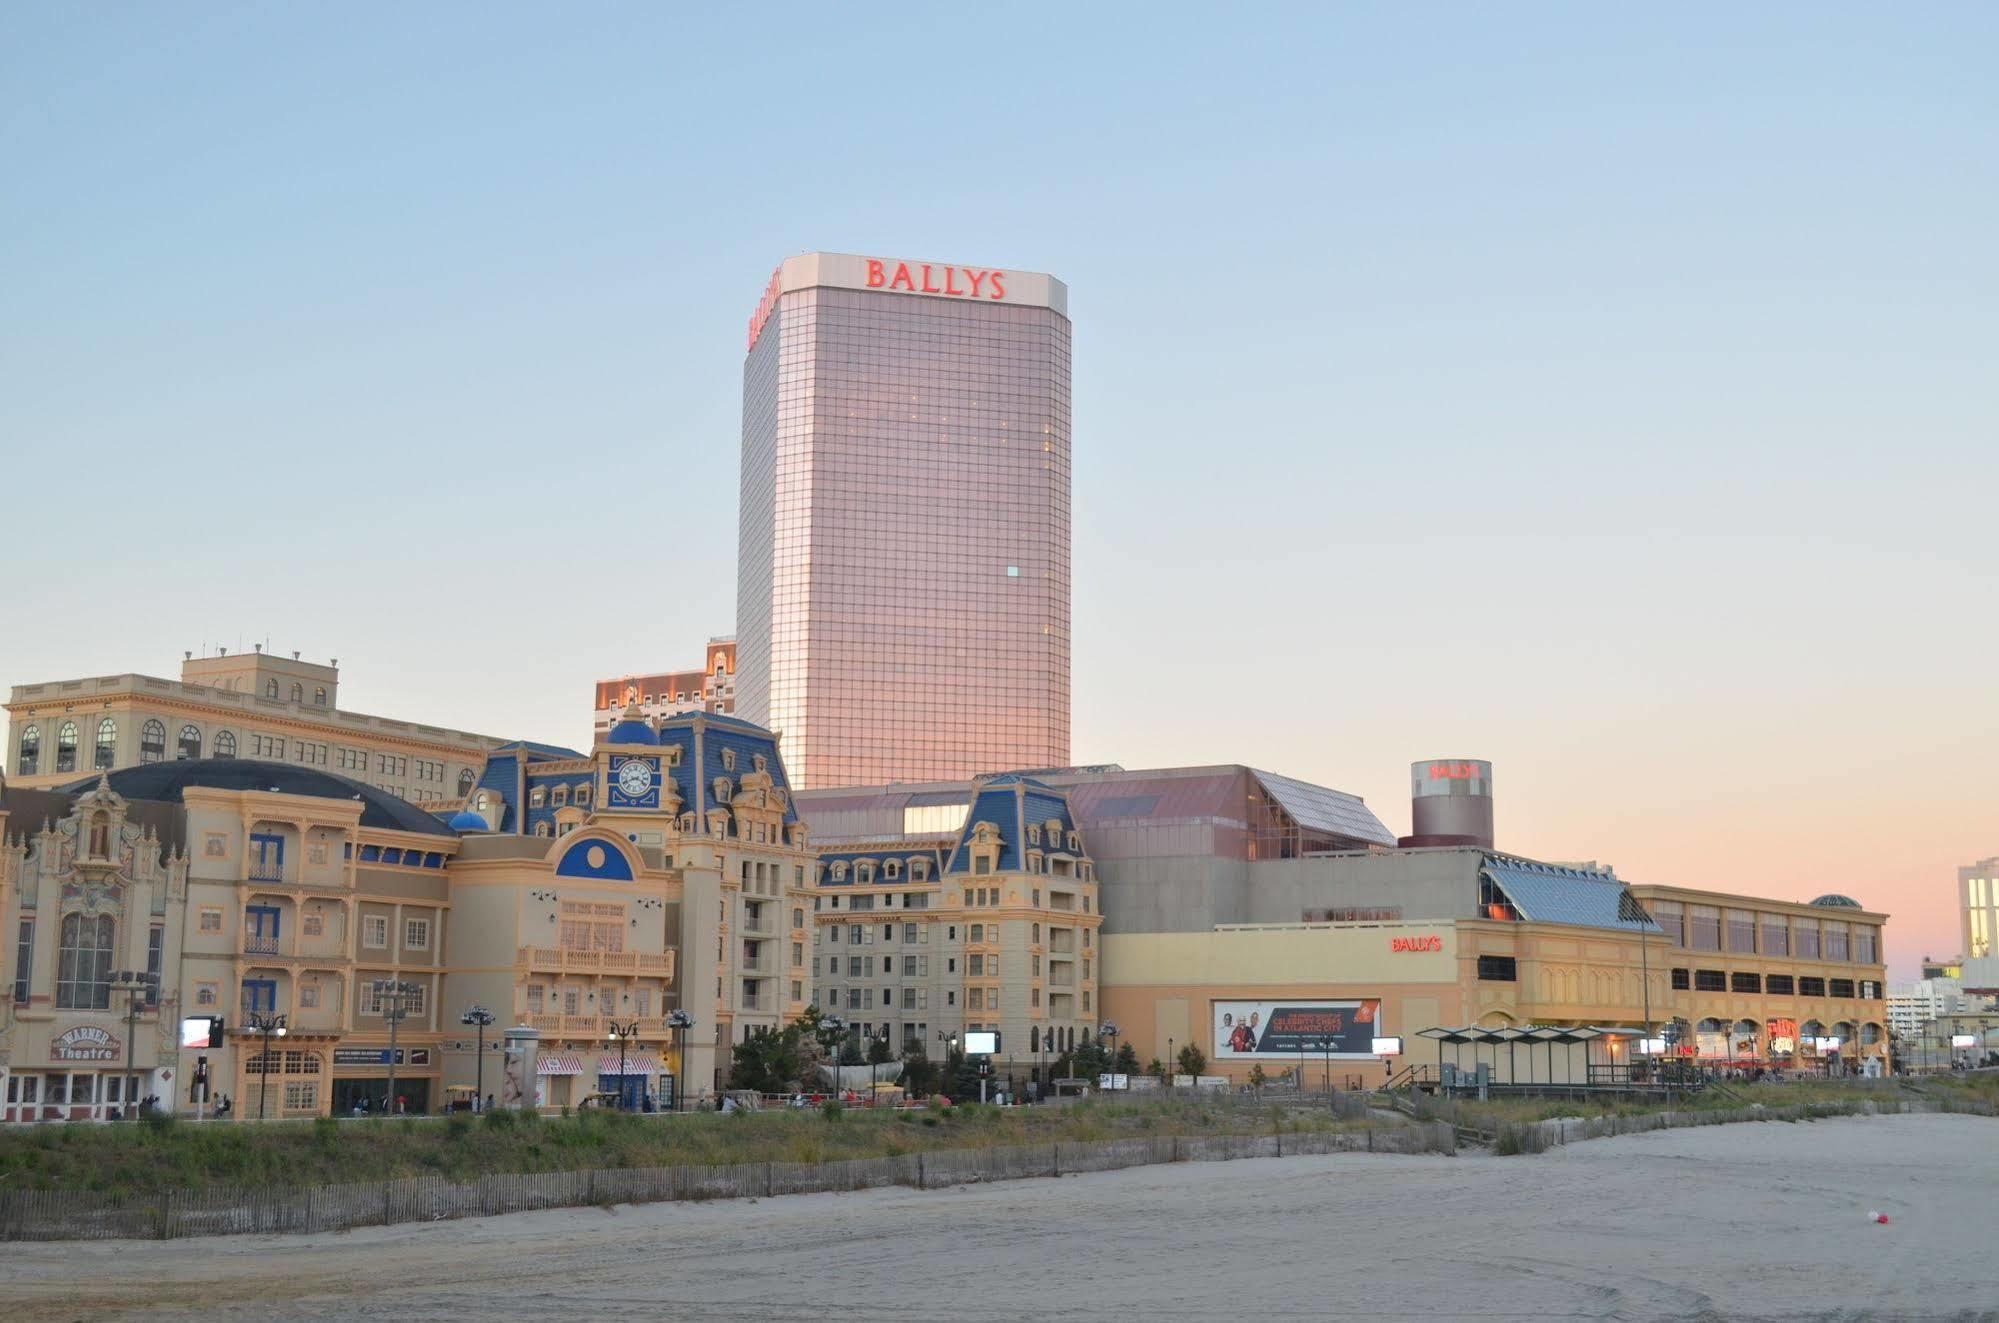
(1450, 803)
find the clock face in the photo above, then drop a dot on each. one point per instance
(634, 778)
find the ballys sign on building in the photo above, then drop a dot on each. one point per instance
(923, 278)
(956, 281)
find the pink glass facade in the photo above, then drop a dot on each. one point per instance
(903, 593)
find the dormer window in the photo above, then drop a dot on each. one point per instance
(840, 871)
(559, 797)
(721, 789)
(919, 870)
(892, 869)
(1075, 843)
(728, 760)
(537, 797)
(583, 794)
(1034, 835)
(761, 763)
(864, 872)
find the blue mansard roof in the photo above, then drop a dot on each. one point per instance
(1013, 803)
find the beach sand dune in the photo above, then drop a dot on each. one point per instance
(1762, 1221)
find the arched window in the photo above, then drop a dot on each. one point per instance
(31, 750)
(100, 836)
(298, 693)
(190, 743)
(225, 744)
(270, 688)
(107, 745)
(541, 829)
(83, 966)
(319, 696)
(721, 663)
(465, 781)
(152, 742)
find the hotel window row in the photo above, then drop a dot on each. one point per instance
(1745, 932)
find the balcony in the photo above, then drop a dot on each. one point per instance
(594, 1026)
(1062, 942)
(270, 873)
(558, 960)
(262, 946)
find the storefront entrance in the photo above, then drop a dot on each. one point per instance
(69, 1095)
(374, 1091)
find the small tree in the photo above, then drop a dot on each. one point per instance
(767, 1061)
(919, 1072)
(850, 1049)
(1157, 1069)
(1127, 1059)
(879, 1053)
(1257, 1079)
(1193, 1061)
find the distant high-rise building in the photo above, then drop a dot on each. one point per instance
(664, 694)
(1978, 907)
(903, 579)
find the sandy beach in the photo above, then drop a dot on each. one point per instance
(1761, 1221)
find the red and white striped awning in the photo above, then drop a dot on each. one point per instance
(557, 1064)
(634, 1064)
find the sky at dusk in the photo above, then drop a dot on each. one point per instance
(1607, 394)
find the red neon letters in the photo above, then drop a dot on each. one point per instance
(975, 284)
(765, 307)
(1415, 943)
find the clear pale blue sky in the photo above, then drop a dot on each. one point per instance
(1609, 394)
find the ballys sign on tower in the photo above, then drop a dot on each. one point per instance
(957, 281)
(925, 278)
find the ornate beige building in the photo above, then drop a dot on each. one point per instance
(231, 705)
(579, 897)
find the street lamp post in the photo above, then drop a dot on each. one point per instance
(480, 1016)
(394, 997)
(135, 985)
(1326, 1046)
(622, 1034)
(947, 1042)
(1172, 1069)
(269, 1026)
(1110, 1031)
(680, 1022)
(831, 1030)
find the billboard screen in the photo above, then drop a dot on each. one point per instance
(1964, 1040)
(1246, 1029)
(981, 1043)
(200, 1032)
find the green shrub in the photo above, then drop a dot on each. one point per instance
(831, 1109)
(500, 1118)
(456, 1126)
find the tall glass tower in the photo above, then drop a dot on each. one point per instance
(903, 585)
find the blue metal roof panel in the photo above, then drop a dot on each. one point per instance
(1546, 893)
(1321, 809)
